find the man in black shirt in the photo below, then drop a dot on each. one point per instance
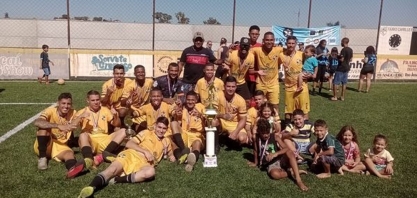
(342, 70)
(169, 84)
(193, 60)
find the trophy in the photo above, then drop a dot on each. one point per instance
(210, 159)
(130, 133)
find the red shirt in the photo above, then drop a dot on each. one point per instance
(252, 77)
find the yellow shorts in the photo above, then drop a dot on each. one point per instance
(99, 142)
(271, 92)
(230, 126)
(132, 161)
(54, 149)
(139, 119)
(190, 137)
(297, 100)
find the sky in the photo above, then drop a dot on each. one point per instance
(292, 13)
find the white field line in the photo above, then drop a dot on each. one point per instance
(21, 126)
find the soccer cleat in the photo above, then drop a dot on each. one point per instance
(75, 170)
(89, 163)
(86, 192)
(191, 160)
(184, 155)
(108, 157)
(98, 159)
(42, 163)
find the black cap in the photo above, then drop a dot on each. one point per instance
(245, 41)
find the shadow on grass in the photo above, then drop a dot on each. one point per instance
(1, 90)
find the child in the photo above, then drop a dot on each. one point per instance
(379, 161)
(45, 65)
(329, 154)
(271, 154)
(300, 131)
(347, 136)
(267, 112)
(333, 63)
(368, 68)
(309, 67)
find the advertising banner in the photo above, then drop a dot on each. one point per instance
(101, 65)
(23, 64)
(395, 40)
(397, 69)
(308, 36)
(162, 62)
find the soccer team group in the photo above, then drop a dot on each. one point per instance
(168, 117)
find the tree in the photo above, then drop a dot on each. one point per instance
(181, 18)
(163, 17)
(211, 21)
(337, 23)
(6, 15)
(97, 18)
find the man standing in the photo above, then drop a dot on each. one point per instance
(169, 84)
(342, 70)
(222, 54)
(112, 91)
(238, 64)
(193, 59)
(268, 73)
(253, 35)
(293, 62)
(209, 46)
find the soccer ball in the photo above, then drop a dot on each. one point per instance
(61, 81)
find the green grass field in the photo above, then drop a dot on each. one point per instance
(388, 109)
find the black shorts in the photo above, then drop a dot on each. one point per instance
(321, 70)
(367, 69)
(243, 91)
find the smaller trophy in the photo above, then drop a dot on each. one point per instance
(210, 158)
(130, 133)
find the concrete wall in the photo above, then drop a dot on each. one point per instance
(134, 36)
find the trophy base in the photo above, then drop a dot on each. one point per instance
(210, 161)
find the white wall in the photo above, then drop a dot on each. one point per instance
(112, 35)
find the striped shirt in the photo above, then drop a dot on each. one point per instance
(305, 131)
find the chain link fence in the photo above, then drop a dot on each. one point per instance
(165, 28)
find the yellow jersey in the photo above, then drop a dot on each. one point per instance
(51, 115)
(164, 110)
(97, 122)
(252, 115)
(295, 66)
(202, 89)
(139, 94)
(238, 67)
(192, 123)
(236, 107)
(115, 97)
(268, 63)
(149, 141)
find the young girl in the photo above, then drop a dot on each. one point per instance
(379, 161)
(333, 63)
(368, 68)
(267, 112)
(309, 67)
(349, 139)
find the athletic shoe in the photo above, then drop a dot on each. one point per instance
(108, 157)
(42, 163)
(191, 160)
(89, 163)
(75, 170)
(98, 159)
(86, 192)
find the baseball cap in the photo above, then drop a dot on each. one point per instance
(300, 43)
(198, 34)
(244, 41)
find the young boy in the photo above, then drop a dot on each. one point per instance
(300, 131)
(45, 65)
(272, 154)
(310, 66)
(329, 154)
